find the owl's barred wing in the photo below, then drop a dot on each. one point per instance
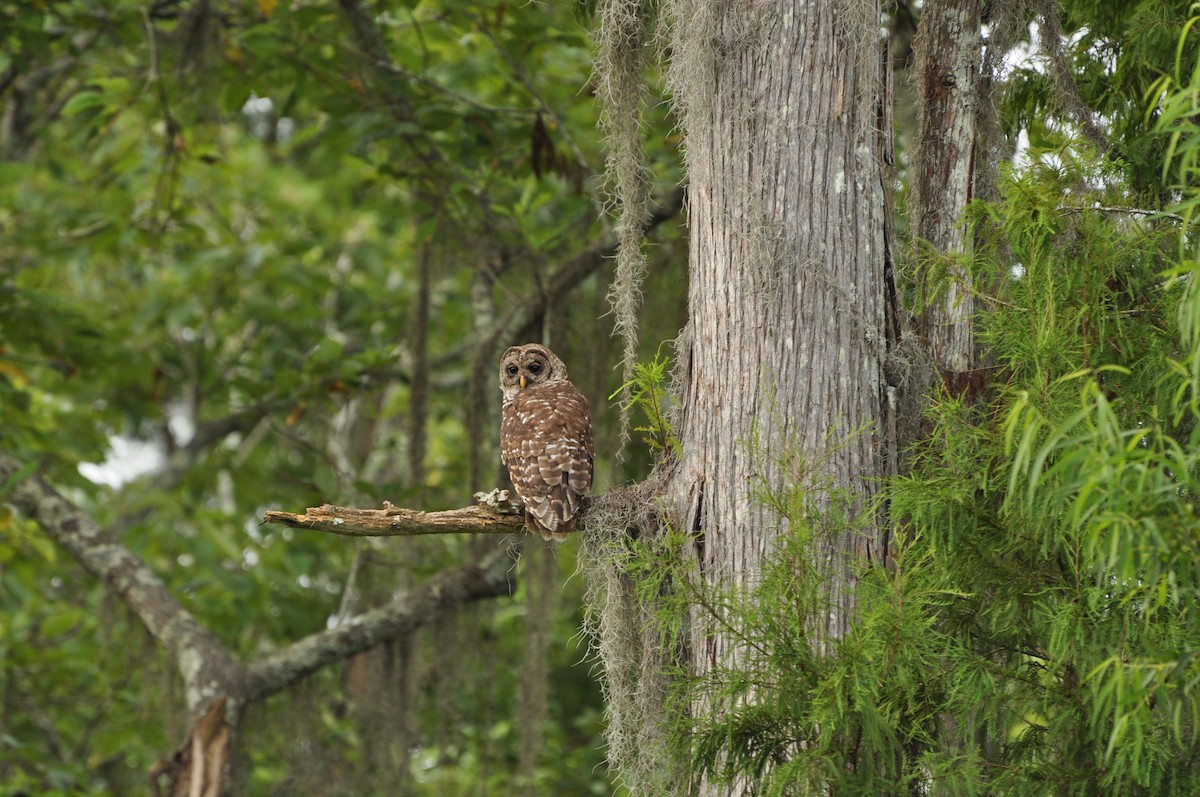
(546, 441)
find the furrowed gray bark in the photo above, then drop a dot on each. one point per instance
(781, 106)
(787, 337)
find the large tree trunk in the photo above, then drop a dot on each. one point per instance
(781, 106)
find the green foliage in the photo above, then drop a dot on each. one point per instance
(648, 392)
(848, 717)
(1056, 507)
(1179, 95)
(1117, 55)
(784, 708)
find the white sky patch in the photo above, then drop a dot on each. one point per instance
(1020, 57)
(125, 460)
(258, 111)
(129, 458)
(1028, 55)
(180, 423)
(258, 105)
(1021, 159)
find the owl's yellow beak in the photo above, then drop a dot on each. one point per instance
(522, 381)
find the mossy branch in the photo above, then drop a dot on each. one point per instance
(491, 577)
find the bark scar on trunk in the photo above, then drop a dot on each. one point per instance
(694, 523)
(198, 768)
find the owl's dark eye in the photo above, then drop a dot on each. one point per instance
(512, 370)
(535, 368)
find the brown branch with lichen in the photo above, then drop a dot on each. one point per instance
(393, 521)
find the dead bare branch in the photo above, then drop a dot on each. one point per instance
(393, 521)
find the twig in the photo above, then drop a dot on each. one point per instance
(165, 185)
(1128, 211)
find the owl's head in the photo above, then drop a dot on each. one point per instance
(531, 365)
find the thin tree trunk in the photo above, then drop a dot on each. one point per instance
(948, 61)
(418, 391)
(947, 52)
(540, 576)
(781, 106)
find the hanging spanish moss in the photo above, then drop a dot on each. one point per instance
(634, 658)
(627, 638)
(621, 86)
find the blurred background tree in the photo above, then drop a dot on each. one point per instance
(261, 254)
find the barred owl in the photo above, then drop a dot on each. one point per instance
(545, 439)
